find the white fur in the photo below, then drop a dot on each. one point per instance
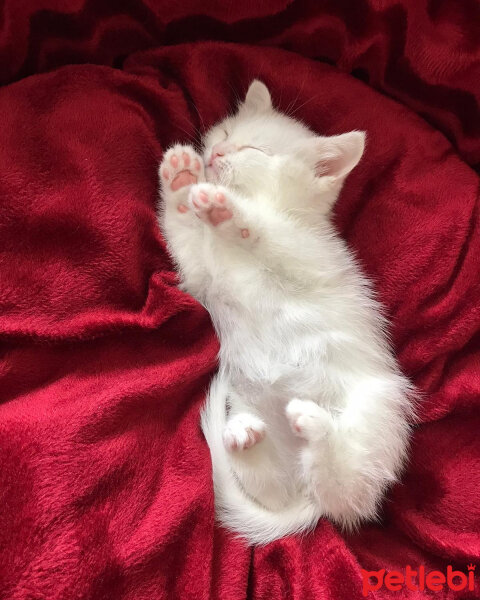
(307, 383)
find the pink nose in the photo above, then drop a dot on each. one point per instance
(220, 150)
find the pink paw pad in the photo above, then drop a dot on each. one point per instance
(181, 168)
(308, 420)
(183, 179)
(219, 215)
(253, 437)
(213, 206)
(243, 432)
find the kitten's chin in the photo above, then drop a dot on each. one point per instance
(218, 176)
(210, 175)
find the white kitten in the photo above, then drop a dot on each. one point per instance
(308, 414)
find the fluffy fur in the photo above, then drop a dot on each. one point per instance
(308, 414)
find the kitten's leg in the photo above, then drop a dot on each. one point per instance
(348, 462)
(244, 428)
(243, 431)
(221, 209)
(246, 224)
(253, 455)
(309, 421)
(180, 168)
(330, 471)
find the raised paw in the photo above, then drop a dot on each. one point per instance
(243, 431)
(181, 167)
(212, 204)
(308, 420)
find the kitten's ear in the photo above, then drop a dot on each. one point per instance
(258, 97)
(335, 156)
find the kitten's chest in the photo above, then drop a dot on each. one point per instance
(266, 342)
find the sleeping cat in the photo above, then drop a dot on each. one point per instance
(308, 414)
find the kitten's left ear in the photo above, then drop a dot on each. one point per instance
(258, 97)
(335, 156)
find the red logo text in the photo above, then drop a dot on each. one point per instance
(418, 580)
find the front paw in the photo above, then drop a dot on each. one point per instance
(212, 204)
(181, 167)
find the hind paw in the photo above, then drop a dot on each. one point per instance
(308, 420)
(243, 431)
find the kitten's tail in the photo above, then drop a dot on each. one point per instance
(234, 508)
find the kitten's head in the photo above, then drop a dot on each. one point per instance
(243, 149)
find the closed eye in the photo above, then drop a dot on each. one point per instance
(262, 150)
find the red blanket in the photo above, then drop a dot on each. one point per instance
(105, 485)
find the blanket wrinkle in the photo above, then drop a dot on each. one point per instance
(425, 54)
(105, 484)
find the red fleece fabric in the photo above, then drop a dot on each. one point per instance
(105, 480)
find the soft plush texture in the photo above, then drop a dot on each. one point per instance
(105, 484)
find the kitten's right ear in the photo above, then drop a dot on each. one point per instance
(258, 97)
(334, 156)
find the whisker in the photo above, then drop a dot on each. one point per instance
(236, 95)
(191, 136)
(304, 103)
(202, 123)
(291, 110)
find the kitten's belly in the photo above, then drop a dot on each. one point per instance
(269, 361)
(270, 472)
(274, 461)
